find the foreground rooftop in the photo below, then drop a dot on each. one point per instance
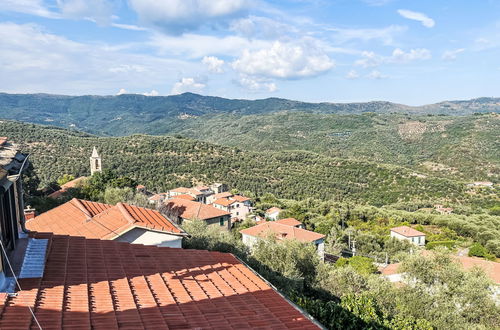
(90, 283)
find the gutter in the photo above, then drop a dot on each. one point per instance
(301, 311)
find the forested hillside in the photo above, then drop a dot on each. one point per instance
(166, 162)
(132, 113)
(465, 147)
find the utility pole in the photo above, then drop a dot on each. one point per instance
(353, 248)
(386, 258)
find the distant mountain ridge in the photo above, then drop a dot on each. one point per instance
(134, 113)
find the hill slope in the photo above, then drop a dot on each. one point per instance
(132, 113)
(166, 162)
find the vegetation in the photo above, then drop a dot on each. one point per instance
(351, 297)
(161, 163)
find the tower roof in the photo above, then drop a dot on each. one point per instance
(94, 153)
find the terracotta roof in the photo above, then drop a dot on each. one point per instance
(96, 220)
(194, 210)
(240, 198)
(157, 197)
(202, 188)
(282, 232)
(289, 222)
(3, 140)
(491, 268)
(109, 285)
(273, 210)
(222, 195)
(64, 188)
(185, 196)
(224, 201)
(407, 231)
(140, 186)
(390, 269)
(184, 190)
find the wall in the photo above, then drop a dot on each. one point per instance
(417, 240)
(148, 237)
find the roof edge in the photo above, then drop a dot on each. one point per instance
(300, 310)
(76, 202)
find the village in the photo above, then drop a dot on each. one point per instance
(93, 246)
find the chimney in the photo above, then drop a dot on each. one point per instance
(29, 213)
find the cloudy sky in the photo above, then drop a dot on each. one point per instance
(412, 52)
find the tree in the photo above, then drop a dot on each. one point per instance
(65, 178)
(362, 265)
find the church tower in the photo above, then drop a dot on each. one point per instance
(95, 162)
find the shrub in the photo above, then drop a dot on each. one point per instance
(449, 244)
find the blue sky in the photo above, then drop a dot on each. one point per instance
(412, 52)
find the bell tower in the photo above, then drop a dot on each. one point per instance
(95, 162)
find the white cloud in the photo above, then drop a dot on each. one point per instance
(152, 93)
(256, 84)
(32, 7)
(285, 61)
(198, 46)
(33, 60)
(400, 56)
(386, 35)
(213, 64)
(369, 59)
(376, 75)
(129, 27)
(261, 27)
(187, 85)
(352, 75)
(416, 16)
(451, 55)
(99, 11)
(178, 16)
(122, 91)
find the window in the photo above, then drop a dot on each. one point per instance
(237, 213)
(221, 221)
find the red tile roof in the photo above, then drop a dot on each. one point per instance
(240, 198)
(273, 210)
(96, 220)
(184, 190)
(491, 268)
(224, 201)
(157, 197)
(98, 284)
(194, 210)
(282, 232)
(3, 140)
(222, 195)
(289, 222)
(407, 231)
(185, 196)
(64, 188)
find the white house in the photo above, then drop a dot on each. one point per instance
(121, 222)
(409, 234)
(280, 231)
(273, 213)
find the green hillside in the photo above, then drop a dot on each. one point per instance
(452, 146)
(132, 113)
(166, 162)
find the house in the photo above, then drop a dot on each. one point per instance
(490, 268)
(407, 233)
(78, 182)
(196, 194)
(282, 231)
(181, 210)
(291, 222)
(218, 187)
(239, 206)
(273, 213)
(12, 165)
(212, 198)
(121, 222)
(158, 199)
(141, 189)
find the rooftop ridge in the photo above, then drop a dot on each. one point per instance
(121, 207)
(76, 202)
